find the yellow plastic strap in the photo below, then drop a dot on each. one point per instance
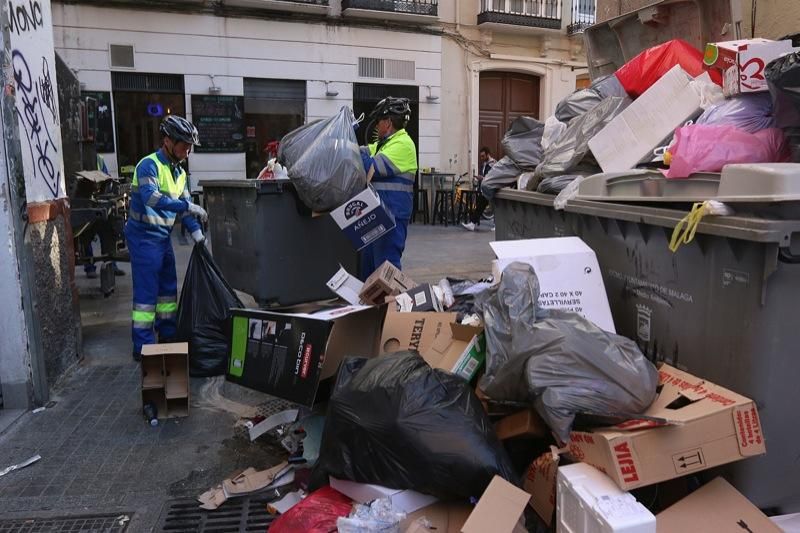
(687, 227)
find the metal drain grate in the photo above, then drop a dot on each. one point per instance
(74, 524)
(239, 515)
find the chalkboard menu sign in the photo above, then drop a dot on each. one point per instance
(104, 137)
(220, 122)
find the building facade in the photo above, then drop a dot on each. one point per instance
(248, 71)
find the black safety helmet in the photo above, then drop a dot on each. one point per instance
(179, 129)
(391, 107)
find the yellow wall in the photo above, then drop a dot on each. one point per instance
(774, 18)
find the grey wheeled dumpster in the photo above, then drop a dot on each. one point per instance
(724, 308)
(268, 245)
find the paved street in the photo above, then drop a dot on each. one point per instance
(99, 457)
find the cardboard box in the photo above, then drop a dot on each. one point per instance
(387, 280)
(441, 341)
(718, 507)
(404, 501)
(525, 423)
(568, 271)
(443, 517)
(702, 426)
(364, 218)
(499, 510)
(421, 298)
(540, 484)
(589, 501)
(288, 355)
(346, 286)
(642, 126)
(165, 378)
(743, 63)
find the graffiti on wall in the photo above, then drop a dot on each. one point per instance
(32, 67)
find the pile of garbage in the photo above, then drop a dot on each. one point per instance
(671, 108)
(458, 405)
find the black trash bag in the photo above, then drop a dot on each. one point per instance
(558, 361)
(523, 142)
(323, 161)
(783, 78)
(396, 422)
(203, 310)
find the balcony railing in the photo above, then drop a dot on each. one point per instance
(584, 13)
(411, 7)
(532, 13)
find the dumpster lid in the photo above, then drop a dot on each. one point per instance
(756, 183)
(612, 43)
(749, 228)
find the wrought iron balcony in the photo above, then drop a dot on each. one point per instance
(584, 14)
(298, 6)
(418, 10)
(525, 13)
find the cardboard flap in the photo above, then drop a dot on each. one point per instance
(163, 349)
(718, 507)
(685, 397)
(498, 510)
(463, 332)
(538, 247)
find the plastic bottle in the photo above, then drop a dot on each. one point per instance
(151, 413)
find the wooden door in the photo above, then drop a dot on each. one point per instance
(503, 97)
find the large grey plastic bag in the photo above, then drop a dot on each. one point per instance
(323, 161)
(523, 146)
(523, 142)
(504, 173)
(585, 100)
(564, 155)
(558, 361)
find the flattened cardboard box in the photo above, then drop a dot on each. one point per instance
(404, 501)
(719, 508)
(702, 426)
(288, 355)
(499, 510)
(387, 280)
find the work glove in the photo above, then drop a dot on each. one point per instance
(198, 236)
(196, 210)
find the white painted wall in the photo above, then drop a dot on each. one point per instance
(34, 78)
(233, 48)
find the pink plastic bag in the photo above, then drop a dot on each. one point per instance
(705, 148)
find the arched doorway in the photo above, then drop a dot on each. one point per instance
(504, 96)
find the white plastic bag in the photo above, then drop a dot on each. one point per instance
(553, 129)
(568, 193)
